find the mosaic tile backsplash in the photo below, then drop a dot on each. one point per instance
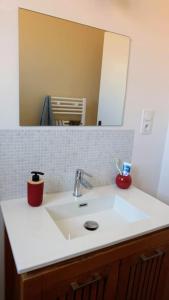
(58, 153)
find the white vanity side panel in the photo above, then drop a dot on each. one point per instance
(163, 188)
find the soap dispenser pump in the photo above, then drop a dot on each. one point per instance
(35, 189)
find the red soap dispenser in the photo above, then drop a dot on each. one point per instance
(35, 189)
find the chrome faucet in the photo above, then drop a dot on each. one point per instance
(80, 180)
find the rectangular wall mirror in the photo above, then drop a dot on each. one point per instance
(70, 74)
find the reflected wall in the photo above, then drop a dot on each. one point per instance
(63, 58)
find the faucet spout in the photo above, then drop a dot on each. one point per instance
(79, 180)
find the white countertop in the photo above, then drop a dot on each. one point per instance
(36, 241)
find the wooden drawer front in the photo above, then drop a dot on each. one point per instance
(98, 284)
(141, 276)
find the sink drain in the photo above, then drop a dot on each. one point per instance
(91, 225)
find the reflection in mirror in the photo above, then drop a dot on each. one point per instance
(70, 74)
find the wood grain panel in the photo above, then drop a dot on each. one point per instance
(139, 277)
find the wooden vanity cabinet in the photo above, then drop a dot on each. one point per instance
(145, 275)
(133, 270)
(90, 282)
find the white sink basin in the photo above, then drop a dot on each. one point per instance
(111, 214)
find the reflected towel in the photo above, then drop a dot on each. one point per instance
(47, 115)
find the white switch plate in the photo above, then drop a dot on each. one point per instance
(147, 121)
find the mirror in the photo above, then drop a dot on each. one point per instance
(70, 74)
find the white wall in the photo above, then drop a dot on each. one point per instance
(147, 23)
(163, 188)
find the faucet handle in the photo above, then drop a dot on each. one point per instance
(86, 184)
(85, 173)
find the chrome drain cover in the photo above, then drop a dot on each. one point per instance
(91, 225)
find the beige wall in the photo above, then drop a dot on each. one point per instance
(60, 58)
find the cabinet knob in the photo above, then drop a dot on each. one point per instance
(156, 254)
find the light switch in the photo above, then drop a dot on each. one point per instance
(148, 115)
(147, 121)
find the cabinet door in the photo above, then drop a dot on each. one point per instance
(98, 284)
(144, 276)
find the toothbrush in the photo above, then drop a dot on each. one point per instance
(117, 161)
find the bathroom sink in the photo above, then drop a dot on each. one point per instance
(108, 214)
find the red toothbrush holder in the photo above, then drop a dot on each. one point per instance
(123, 182)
